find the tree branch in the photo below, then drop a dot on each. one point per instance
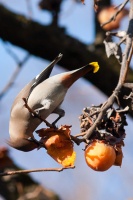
(127, 54)
(35, 170)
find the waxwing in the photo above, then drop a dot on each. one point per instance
(44, 96)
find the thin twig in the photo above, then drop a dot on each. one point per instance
(10, 82)
(16, 72)
(10, 52)
(80, 134)
(128, 85)
(35, 170)
(36, 115)
(120, 34)
(77, 140)
(130, 54)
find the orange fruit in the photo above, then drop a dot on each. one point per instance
(100, 156)
(59, 145)
(106, 13)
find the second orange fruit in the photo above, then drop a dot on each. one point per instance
(100, 156)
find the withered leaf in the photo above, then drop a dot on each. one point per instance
(58, 144)
(112, 48)
(117, 118)
(119, 156)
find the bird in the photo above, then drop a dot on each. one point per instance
(44, 96)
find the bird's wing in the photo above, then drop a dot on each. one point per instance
(44, 74)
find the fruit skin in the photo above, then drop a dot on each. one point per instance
(106, 13)
(100, 156)
(58, 144)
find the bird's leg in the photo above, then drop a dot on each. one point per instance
(61, 114)
(44, 105)
(34, 113)
(39, 109)
(58, 111)
(47, 123)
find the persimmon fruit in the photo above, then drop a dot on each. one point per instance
(106, 13)
(58, 144)
(100, 156)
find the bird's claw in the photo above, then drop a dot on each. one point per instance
(35, 113)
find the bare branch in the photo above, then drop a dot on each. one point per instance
(16, 72)
(36, 170)
(128, 85)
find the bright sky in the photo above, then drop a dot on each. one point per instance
(82, 182)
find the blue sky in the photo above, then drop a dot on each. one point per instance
(82, 182)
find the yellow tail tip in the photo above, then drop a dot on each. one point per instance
(95, 65)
